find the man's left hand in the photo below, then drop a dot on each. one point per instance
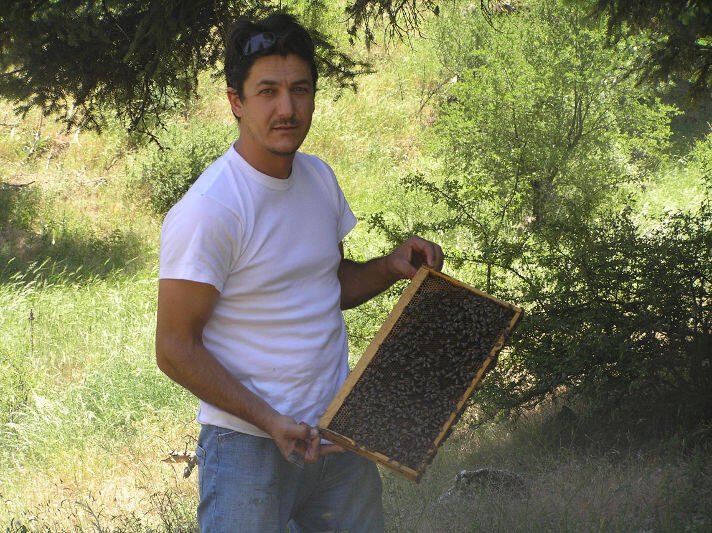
(407, 258)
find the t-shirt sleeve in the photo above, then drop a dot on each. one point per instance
(200, 241)
(346, 220)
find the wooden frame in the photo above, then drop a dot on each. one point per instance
(353, 378)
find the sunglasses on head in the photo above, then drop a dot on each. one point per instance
(259, 42)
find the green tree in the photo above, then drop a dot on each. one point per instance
(679, 36)
(86, 60)
(539, 125)
(538, 130)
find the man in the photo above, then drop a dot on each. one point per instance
(252, 283)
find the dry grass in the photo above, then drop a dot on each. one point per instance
(107, 488)
(663, 488)
(82, 443)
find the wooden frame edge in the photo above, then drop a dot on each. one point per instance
(481, 372)
(351, 445)
(369, 354)
(372, 349)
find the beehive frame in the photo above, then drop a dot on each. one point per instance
(479, 369)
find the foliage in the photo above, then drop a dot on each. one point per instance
(701, 161)
(170, 169)
(679, 35)
(402, 16)
(18, 206)
(618, 317)
(538, 125)
(136, 59)
(88, 61)
(91, 417)
(536, 136)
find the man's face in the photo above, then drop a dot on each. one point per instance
(276, 109)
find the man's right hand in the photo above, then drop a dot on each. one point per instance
(300, 439)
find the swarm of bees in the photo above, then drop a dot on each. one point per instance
(415, 384)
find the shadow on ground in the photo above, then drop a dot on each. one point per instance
(32, 249)
(693, 123)
(68, 255)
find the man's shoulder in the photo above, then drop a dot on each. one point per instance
(213, 194)
(310, 160)
(216, 177)
(315, 166)
(218, 187)
(198, 209)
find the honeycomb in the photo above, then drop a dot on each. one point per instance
(415, 384)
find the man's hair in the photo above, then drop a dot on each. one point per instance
(278, 34)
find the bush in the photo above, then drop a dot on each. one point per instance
(18, 206)
(539, 125)
(617, 317)
(185, 151)
(537, 136)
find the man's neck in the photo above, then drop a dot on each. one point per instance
(273, 165)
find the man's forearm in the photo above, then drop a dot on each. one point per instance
(362, 281)
(193, 367)
(184, 307)
(189, 364)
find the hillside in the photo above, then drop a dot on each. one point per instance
(88, 420)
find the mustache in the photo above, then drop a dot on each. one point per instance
(292, 123)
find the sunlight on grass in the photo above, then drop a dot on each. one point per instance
(98, 415)
(676, 190)
(87, 417)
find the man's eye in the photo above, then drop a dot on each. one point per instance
(300, 90)
(267, 92)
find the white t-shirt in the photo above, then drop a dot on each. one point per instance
(270, 247)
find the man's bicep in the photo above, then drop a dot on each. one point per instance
(184, 306)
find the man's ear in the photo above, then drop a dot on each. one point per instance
(235, 102)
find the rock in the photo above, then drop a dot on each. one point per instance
(468, 481)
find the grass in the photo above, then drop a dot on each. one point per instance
(87, 418)
(681, 184)
(97, 415)
(568, 487)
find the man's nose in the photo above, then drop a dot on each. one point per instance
(285, 105)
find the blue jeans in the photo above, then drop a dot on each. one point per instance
(247, 486)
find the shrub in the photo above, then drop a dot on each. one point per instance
(617, 317)
(537, 135)
(18, 206)
(539, 125)
(185, 151)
